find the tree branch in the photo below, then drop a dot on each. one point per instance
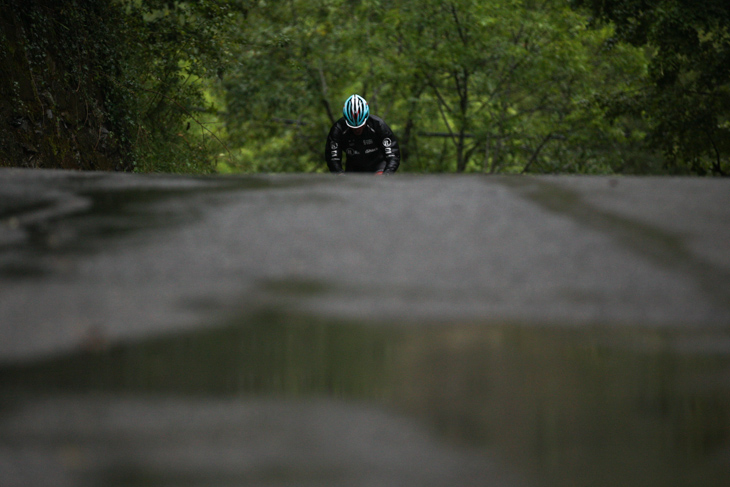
(545, 140)
(187, 112)
(716, 165)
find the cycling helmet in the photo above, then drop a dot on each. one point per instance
(356, 111)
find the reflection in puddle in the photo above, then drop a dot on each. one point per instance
(560, 407)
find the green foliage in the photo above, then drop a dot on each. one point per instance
(501, 86)
(687, 104)
(283, 92)
(105, 84)
(506, 86)
(512, 84)
(173, 52)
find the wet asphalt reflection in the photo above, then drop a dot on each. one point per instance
(294, 401)
(302, 330)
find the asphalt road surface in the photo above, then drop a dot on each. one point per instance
(454, 314)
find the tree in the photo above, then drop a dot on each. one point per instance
(173, 51)
(687, 103)
(514, 82)
(503, 86)
(293, 63)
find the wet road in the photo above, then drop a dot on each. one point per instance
(415, 330)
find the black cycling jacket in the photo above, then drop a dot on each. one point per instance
(375, 149)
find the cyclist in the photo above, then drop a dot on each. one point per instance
(366, 139)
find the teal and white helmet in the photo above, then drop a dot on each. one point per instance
(356, 111)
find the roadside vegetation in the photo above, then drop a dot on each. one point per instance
(506, 86)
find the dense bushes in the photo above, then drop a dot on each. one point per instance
(56, 90)
(514, 86)
(101, 84)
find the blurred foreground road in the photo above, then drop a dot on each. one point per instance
(412, 330)
(123, 256)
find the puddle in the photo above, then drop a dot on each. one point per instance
(84, 213)
(556, 406)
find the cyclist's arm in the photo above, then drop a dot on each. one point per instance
(333, 151)
(390, 149)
